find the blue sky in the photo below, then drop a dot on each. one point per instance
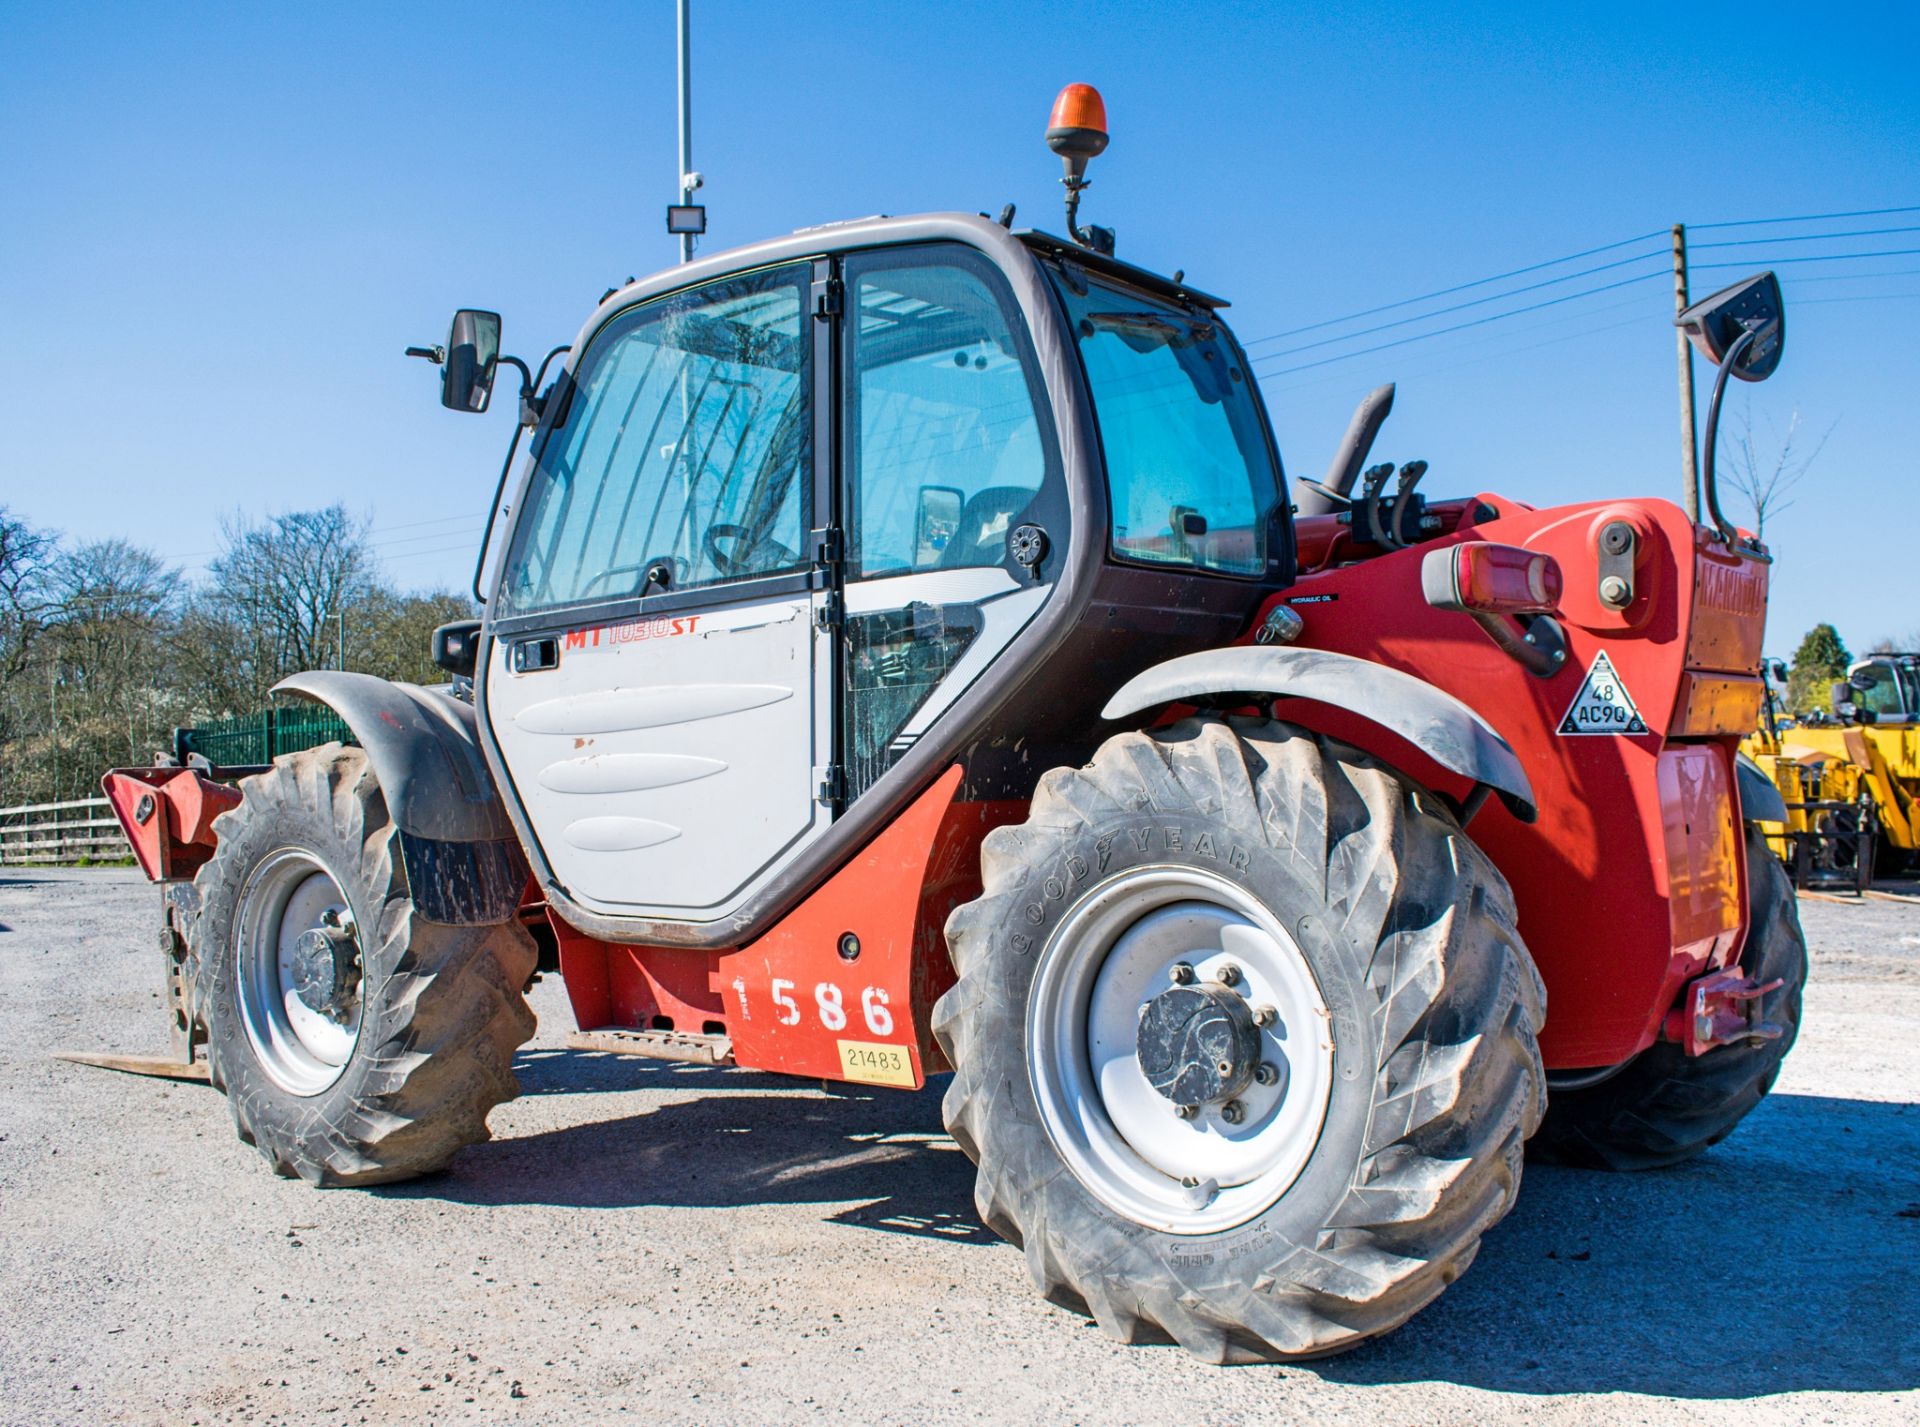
(220, 226)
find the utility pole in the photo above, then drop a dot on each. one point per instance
(1689, 442)
(686, 125)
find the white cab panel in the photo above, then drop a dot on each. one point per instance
(668, 764)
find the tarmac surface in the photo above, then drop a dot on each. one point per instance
(642, 1241)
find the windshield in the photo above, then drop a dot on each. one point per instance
(682, 458)
(1190, 472)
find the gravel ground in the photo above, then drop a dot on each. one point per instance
(721, 1246)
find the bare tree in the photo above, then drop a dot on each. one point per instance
(24, 556)
(272, 605)
(116, 607)
(1766, 468)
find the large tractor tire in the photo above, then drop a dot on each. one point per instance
(356, 1042)
(1243, 1041)
(1665, 1106)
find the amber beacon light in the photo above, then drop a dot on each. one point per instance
(1077, 131)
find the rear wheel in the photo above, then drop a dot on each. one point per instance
(356, 1042)
(1243, 1041)
(1666, 1106)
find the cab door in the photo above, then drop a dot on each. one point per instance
(659, 676)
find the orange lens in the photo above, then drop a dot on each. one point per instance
(1079, 106)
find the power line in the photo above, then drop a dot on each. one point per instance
(1858, 297)
(1550, 302)
(1807, 237)
(1463, 306)
(1484, 357)
(1803, 218)
(1589, 252)
(1449, 291)
(1817, 258)
(1462, 326)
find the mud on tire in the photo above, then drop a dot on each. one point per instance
(440, 1008)
(1665, 1106)
(1433, 1001)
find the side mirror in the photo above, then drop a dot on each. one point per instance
(1743, 330)
(1778, 668)
(456, 646)
(1844, 708)
(935, 524)
(1716, 324)
(473, 355)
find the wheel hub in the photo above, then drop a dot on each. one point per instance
(1198, 1044)
(326, 970)
(1181, 1054)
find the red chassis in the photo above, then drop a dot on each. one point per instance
(1630, 885)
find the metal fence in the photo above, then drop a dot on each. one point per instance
(260, 738)
(59, 832)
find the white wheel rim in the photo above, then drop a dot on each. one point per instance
(301, 1049)
(1122, 1139)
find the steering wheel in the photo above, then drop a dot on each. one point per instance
(742, 559)
(675, 571)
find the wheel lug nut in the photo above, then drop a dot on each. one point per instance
(1233, 1112)
(1264, 1016)
(1186, 1112)
(1229, 975)
(1182, 974)
(1266, 1074)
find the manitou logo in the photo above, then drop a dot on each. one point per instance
(1736, 590)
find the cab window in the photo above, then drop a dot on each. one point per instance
(947, 451)
(684, 455)
(1191, 475)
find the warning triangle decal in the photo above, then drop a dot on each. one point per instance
(1603, 704)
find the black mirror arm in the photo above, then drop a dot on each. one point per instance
(528, 404)
(1707, 481)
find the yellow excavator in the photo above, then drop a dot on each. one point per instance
(1850, 779)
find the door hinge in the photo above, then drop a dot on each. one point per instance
(829, 299)
(830, 784)
(831, 612)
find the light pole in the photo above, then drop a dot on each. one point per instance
(687, 182)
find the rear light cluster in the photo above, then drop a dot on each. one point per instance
(1483, 578)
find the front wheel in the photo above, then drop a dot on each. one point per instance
(356, 1041)
(1244, 1041)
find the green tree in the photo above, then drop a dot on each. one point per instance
(1820, 659)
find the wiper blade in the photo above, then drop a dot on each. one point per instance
(1144, 331)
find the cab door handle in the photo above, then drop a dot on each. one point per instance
(530, 656)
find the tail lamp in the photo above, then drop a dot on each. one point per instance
(1481, 577)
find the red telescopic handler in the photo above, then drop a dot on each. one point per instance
(903, 656)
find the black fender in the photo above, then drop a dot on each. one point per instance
(1434, 721)
(1760, 800)
(464, 863)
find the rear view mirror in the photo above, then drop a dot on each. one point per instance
(1778, 668)
(473, 354)
(1715, 325)
(1742, 330)
(456, 646)
(934, 527)
(1845, 709)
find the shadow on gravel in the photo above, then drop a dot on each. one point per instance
(736, 1145)
(1787, 1259)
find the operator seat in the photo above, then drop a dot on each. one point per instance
(981, 538)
